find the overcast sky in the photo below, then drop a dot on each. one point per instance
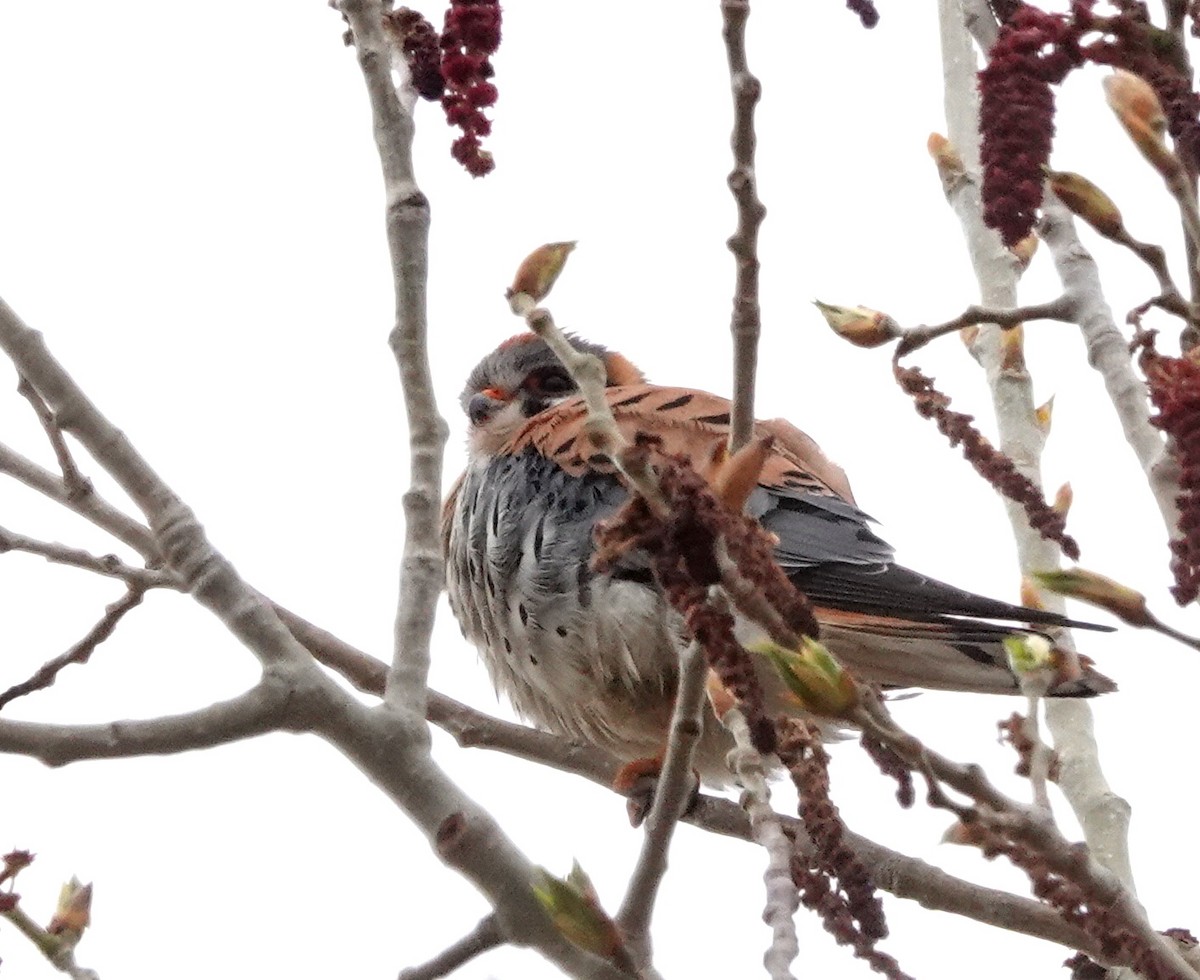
(191, 211)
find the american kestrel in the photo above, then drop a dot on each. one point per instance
(594, 655)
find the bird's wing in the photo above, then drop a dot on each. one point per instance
(689, 422)
(895, 625)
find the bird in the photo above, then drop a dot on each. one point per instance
(592, 655)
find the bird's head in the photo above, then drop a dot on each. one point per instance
(521, 378)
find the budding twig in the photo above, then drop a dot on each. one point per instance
(77, 484)
(81, 651)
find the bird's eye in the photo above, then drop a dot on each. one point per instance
(555, 383)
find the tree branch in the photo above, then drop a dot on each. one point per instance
(671, 796)
(79, 652)
(1020, 437)
(264, 708)
(76, 483)
(109, 566)
(407, 214)
(1108, 353)
(486, 935)
(766, 828)
(745, 324)
(91, 507)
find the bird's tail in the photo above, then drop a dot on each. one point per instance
(950, 655)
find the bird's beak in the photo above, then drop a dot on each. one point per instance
(484, 404)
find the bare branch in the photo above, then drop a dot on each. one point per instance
(1081, 780)
(76, 483)
(421, 574)
(671, 795)
(1108, 353)
(767, 830)
(264, 708)
(745, 324)
(486, 935)
(92, 507)
(109, 566)
(80, 652)
(915, 338)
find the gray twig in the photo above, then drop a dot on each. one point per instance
(80, 652)
(746, 321)
(486, 935)
(76, 483)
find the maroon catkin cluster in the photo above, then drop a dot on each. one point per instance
(1033, 50)
(419, 43)
(471, 36)
(832, 881)
(1174, 384)
(866, 11)
(993, 465)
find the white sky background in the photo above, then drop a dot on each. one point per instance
(191, 211)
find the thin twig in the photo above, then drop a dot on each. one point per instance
(109, 566)
(1040, 754)
(767, 829)
(80, 652)
(1169, 298)
(59, 954)
(588, 373)
(671, 795)
(745, 323)
(91, 507)
(421, 574)
(76, 483)
(915, 338)
(485, 936)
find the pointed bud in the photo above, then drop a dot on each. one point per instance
(1043, 415)
(1025, 249)
(968, 335)
(949, 164)
(861, 326)
(1031, 596)
(74, 912)
(719, 696)
(736, 476)
(1131, 97)
(1125, 603)
(1139, 111)
(1085, 199)
(537, 274)
(819, 683)
(575, 911)
(14, 863)
(966, 834)
(1012, 348)
(1063, 500)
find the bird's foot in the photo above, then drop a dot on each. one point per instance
(637, 781)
